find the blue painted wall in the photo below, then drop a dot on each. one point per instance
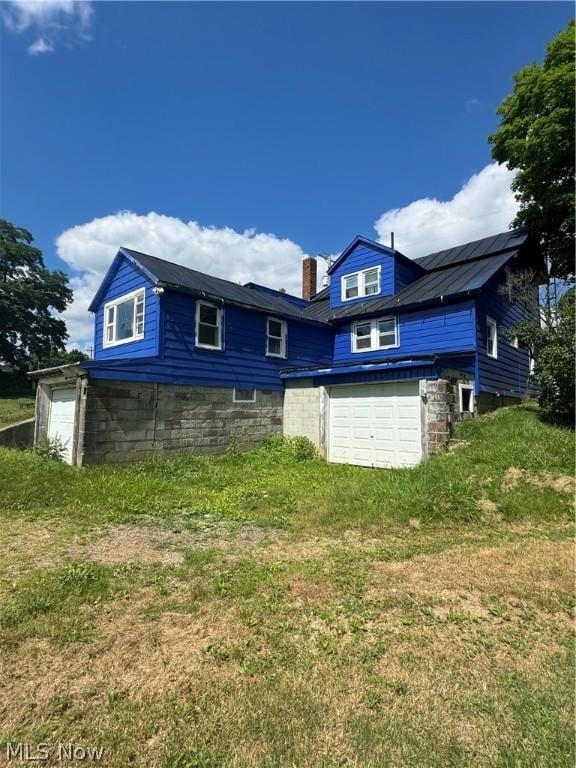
(125, 279)
(448, 328)
(362, 257)
(508, 374)
(405, 272)
(241, 363)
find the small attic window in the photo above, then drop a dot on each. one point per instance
(359, 284)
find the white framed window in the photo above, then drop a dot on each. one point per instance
(244, 395)
(358, 284)
(380, 333)
(275, 337)
(124, 319)
(208, 325)
(466, 397)
(491, 337)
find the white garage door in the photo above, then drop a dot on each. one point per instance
(376, 425)
(61, 424)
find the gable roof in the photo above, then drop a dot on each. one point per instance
(166, 274)
(359, 240)
(452, 273)
(457, 281)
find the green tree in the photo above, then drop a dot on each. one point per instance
(58, 358)
(30, 295)
(553, 347)
(536, 139)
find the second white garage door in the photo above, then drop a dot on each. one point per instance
(376, 425)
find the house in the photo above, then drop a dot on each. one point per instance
(374, 369)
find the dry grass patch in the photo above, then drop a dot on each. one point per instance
(527, 570)
(559, 483)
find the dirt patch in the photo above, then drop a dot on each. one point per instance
(154, 544)
(131, 544)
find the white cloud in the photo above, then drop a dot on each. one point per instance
(50, 19)
(238, 256)
(39, 47)
(484, 206)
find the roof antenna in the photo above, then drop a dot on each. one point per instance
(392, 240)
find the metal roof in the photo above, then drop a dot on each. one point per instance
(181, 278)
(458, 280)
(477, 249)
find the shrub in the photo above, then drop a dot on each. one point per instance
(284, 448)
(51, 448)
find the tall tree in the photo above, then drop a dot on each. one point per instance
(536, 139)
(30, 294)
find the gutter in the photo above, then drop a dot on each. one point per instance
(69, 370)
(243, 305)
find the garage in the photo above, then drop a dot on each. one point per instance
(61, 420)
(375, 425)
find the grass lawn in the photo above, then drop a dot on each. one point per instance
(13, 409)
(272, 610)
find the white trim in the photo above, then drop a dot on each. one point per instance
(361, 275)
(282, 338)
(461, 387)
(375, 334)
(218, 325)
(112, 305)
(514, 342)
(493, 351)
(235, 399)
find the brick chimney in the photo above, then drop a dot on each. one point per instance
(309, 277)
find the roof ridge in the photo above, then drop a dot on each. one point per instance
(182, 266)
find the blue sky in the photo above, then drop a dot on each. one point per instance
(304, 121)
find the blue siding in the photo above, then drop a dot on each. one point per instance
(405, 273)
(126, 279)
(508, 374)
(401, 374)
(241, 363)
(362, 257)
(449, 328)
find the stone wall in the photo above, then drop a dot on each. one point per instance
(440, 408)
(304, 411)
(19, 435)
(442, 413)
(126, 421)
(490, 401)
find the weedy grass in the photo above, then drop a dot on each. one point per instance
(14, 409)
(269, 609)
(280, 485)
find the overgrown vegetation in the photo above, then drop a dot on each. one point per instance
(269, 609)
(13, 409)
(275, 486)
